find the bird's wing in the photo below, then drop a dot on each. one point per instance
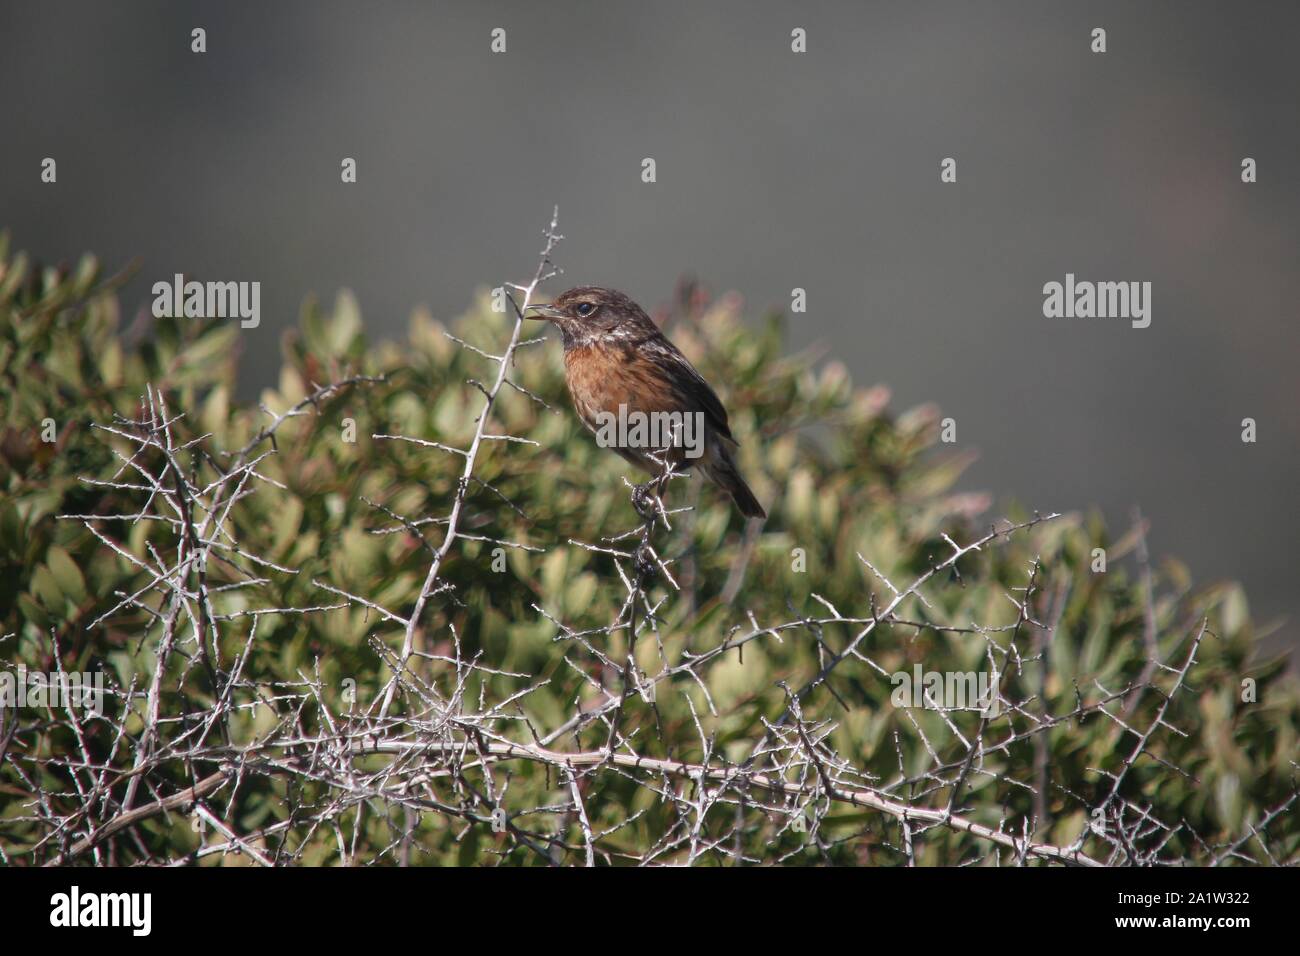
(693, 391)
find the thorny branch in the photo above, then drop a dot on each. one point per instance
(545, 270)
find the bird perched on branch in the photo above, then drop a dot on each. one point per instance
(638, 393)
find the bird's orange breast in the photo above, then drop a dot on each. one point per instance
(603, 376)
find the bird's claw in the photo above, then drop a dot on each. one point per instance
(643, 502)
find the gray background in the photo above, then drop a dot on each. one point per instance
(775, 170)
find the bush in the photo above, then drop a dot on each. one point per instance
(243, 576)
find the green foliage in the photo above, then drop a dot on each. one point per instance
(839, 474)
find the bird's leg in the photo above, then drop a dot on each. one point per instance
(641, 501)
(644, 495)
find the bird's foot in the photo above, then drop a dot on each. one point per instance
(643, 500)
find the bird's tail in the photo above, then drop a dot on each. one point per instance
(722, 471)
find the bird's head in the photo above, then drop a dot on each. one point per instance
(589, 312)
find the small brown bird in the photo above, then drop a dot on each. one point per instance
(638, 393)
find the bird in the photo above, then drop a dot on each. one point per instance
(619, 367)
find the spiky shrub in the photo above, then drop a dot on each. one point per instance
(246, 581)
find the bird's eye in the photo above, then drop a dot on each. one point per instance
(585, 309)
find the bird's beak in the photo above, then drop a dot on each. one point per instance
(545, 311)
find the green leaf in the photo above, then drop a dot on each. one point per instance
(67, 574)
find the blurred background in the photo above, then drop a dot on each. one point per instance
(775, 171)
